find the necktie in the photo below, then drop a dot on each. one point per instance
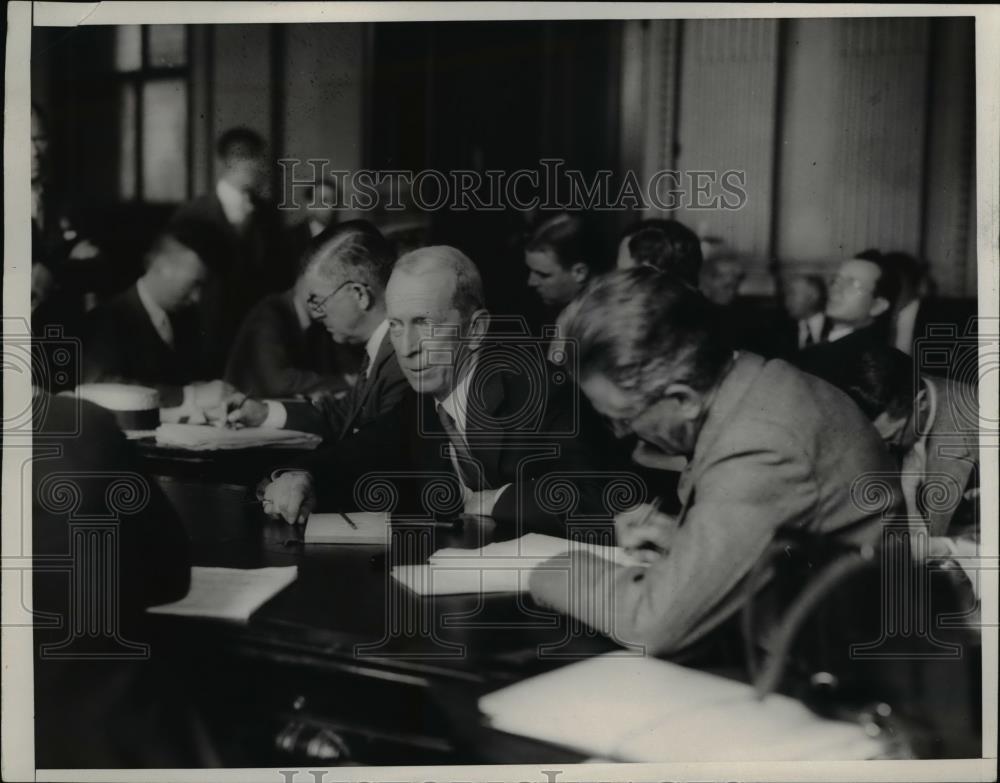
(165, 329)
(468, 468)
(808, 339)
(364, 367)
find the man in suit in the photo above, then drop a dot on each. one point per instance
(149, 334)
(281, 352)
(560, 257)
(346, 270)
(236, 234)
(93, 710)
(803, 322)
(489, 420)
(763, 459)
(861, 298)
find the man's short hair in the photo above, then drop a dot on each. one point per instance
(667, 245)
(239, 144)
(468, 296)
(880, 379)
(567, 237)
(354, 250)
(167, 241)
(643, 329)
(908, 270)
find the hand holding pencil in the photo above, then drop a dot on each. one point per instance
(645, 532)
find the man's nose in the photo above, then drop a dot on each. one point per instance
(410, 341)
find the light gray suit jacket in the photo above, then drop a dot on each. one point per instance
(780, 450)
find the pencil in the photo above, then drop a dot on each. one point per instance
(348, 520)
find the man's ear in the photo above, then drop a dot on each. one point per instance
(690, 402)
(479, 325)
(879, 306)
(365, 299)
(580, 272)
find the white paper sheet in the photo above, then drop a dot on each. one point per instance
(201, 437)
(369, 528)
(229, 593)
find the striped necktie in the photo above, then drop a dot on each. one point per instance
(469, 470)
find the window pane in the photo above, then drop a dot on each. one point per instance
(126, 149)
(164, 140)
(128, 48)
(167, 45)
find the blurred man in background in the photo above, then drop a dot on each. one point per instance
(663, 244)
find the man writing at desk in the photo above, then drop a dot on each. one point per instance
(771, 449)
(488, 416)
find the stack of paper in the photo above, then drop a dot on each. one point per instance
(502, 567)
(201, 437)
(357, 527)
(229, 593)
(630, 708)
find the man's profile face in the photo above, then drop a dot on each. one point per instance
(336, 306)
(801, 298)
(664, 424)
(555, 285)
(721, 280)
(852, 292)
(187, 277)
(39, 146)
(246, 174)
(424, 327)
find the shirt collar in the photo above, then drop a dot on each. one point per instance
(375, 342)
(932, 406)
(156, 313)
(456, 403)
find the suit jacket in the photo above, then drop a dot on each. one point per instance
(952, 453)
(943, 323)
(828, 360)
(122, 345)
(780, 339)
(273, 356)
(337, 416)
(243, 268)
(520, 432)
(767, 460)
(101, 712)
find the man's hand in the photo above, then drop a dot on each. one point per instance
(84, 250)
(480, 504)
(238, 410)
(290, 497)
(211, 393)
(645, 532)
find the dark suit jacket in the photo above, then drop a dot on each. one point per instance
(337, 416)
(243, 268)
(767, 460)
(101, 712)
(943, 323)
(828, 360)
(122, 345)
(522, 431)
(273, 356)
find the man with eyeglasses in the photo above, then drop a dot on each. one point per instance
(764, 458)
(861, 298)
(488, 426)
(346, 270)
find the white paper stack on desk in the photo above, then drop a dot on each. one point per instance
(632, 708)
(229, 593)
(502, 567)
(356, 527)
(203, 437)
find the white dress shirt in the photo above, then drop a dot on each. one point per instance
(811, 326)
(906, 321)
(159, 317)
(236, 204)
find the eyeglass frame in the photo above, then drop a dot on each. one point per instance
(318, 306)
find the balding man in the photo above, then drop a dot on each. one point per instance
(149, 334)
(492, 416)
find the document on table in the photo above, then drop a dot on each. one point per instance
(356, 527)
(229, 593)
(665, 712)
(501, 567)
(203, 437)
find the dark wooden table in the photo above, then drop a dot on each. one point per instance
(346, 664)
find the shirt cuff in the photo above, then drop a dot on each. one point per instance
(496, 499)
(188, 401)
(277, 415)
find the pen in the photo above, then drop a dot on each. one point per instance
(349, 520)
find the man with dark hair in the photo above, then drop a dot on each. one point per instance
(237, 235)
(861, 298)
(346, 268)
(763, 460)
(560, 259)
(149, 334)
(802, 322)
(489, 416)
(663, 244)
(930, 425)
